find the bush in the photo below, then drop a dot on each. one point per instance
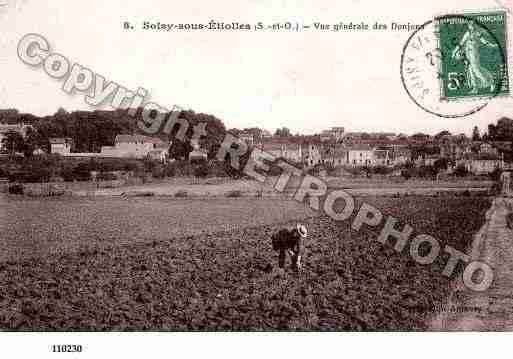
(406, 174)
(181, 194)
(202, 170)
(427, 171)
(381, 170)
(82, 172)
(465, 193)
(179, 169)
(158, 171)
(31, 175)
(66, 172)
(496, 174)
(15, 188)
(461, 171)
(234, 194)
(106, 176)
(170, 170)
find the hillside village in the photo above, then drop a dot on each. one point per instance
(334, 148)
(330, 149)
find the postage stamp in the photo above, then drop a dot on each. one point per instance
(473, 61)
(456, 64)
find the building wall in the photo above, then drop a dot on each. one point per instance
(360, 157)
(135, 147)
(293, 153)
(60, 148)
(312, 155)
(482, 166)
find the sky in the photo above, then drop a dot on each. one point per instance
(306, 81)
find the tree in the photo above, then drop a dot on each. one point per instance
(256, 132)
(13, 142)
(180, 150)
(461, 171)
(476, 136)
(282, 132)
(503, 131)
(235, 131)
(419, 137)
(441, 135)
(31, 142)
(441, 164)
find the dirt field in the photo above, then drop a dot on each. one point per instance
(35, 227)
(219, 187)
(228, 280)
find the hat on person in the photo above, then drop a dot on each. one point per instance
(301, 229)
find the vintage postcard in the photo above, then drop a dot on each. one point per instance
(254, 166)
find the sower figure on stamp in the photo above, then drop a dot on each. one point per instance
(289, 241)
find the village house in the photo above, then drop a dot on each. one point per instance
(266, 134)
(160, 153)
(333, 134)
(480, 163)
(246, 137)
(61, 145)
(485, 147)
(275, 149)
(335, 156)
(197, 154)
(454, 147)
(402, 155)
(282, 149)
(427, 159)
(137, 146)
(312, 154)
(383, 156)
(125, 146)
(5, 129)
(360, 155)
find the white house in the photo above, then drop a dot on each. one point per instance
(282, 148)
(61, 145)
(136, 146)
(360, 155)
(312, 154)
(125, 146)
(334, 133)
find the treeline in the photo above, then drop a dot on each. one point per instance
(90, 130)
(55, 168)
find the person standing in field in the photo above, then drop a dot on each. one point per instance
(289, 241)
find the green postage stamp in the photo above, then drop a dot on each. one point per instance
(473, 55)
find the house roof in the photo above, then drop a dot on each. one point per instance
(272, 146)
(482, 156)
(359, 147)
(278, 145)
(197, 154)
(7, 128)
(137, 138)
(157, 152)
(59, 140)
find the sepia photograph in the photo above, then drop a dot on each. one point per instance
(266, 173)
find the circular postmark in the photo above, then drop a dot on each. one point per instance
(506, 4)
(444, 70)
